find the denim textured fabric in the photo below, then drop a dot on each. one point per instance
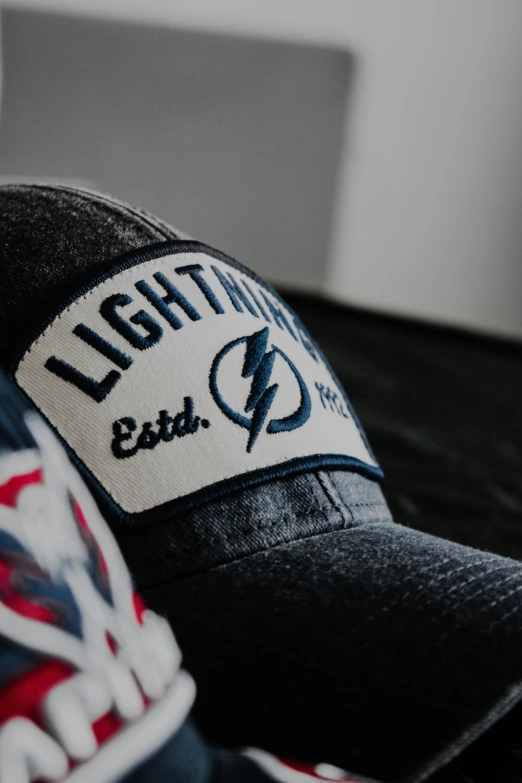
(314, 625)
(53, 235)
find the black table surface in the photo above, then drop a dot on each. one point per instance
(443, 411)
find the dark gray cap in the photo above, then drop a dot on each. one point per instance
(313, 624)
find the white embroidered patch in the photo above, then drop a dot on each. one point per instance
(183, 374)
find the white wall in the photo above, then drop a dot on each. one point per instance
(430, 197)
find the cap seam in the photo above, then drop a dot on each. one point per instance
(334, 497)
(316, 489)
(282, 544)
(321, 513)
(117, 207)
(165, 232)
(113, 205)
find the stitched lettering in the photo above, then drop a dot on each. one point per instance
(122, 431)
(168, 428)
(258, 303)
(235, 293)
(277, 314)
(306, 340)
(194, 272)
(104, 347)
(142, 331)
(330, 400)
(96, 390)
(141, 318)
(173, 296)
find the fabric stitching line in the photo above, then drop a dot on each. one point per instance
(275, 547)
(447, 610)
(114, 205)
(316, 489)
(266, 525)
(164, 231)
(502, 598)
(305, 537)
(369, 504)
(230, 537)
(167, 232)
(238, 559)
(472, 579)
(333, 478)
(509, 612)
(411, 577)
(448, 576)
(492, 587)
(188, 548)
(500, 583)
(334, 497)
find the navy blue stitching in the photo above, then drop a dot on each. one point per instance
(183, 423)
(302, 414)
(89, 280)
(234, 292)
(85, 286)
(305, 338)
(101, 345)
(96, 390)
(258, 365)
(194, 270)
(173, 296)
(258, 303)
(278, 315)
(121, 436)
(114, 319)
(211, 492)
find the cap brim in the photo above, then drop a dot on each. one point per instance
(376, 647)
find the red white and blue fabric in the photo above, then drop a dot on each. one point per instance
(90, 683)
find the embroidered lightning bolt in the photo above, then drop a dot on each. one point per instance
(258, 365)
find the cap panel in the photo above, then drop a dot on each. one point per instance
(49, 236)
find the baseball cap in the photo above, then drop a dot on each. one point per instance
(245, 497)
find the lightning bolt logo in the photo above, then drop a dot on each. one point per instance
(258, 364)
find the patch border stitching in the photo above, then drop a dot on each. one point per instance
(86, 284)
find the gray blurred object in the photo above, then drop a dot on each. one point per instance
(236, 140)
